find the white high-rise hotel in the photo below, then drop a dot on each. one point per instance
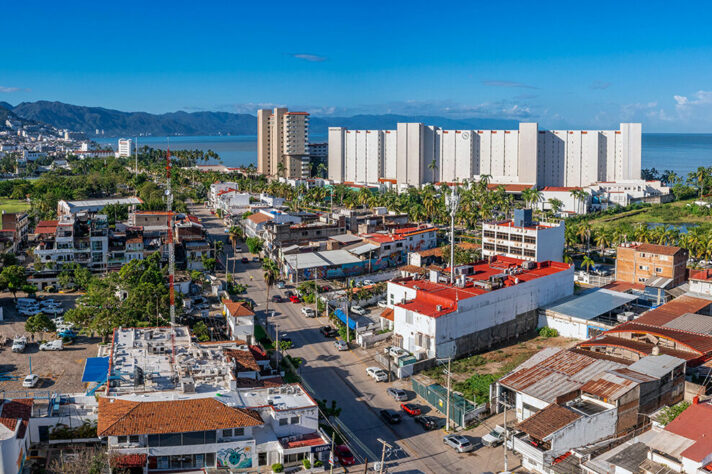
(415, 154)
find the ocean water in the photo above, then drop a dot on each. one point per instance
(679, 152)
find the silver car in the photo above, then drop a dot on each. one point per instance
(397, 394)
(459, 443)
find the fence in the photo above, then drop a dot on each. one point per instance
(462, 411)
(367, 339)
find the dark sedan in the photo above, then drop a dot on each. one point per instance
(391, 416)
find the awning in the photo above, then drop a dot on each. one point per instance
(96, 369)
(342, 317)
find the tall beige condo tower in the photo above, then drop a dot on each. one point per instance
(282, 137)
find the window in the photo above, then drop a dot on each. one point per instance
(239, 431)
(658, 270)
(294, 420)
(261, 459)
(170, 439)
(210, 436)
(227, 433)
(643, 267)
(294, 458)
(194, 437)
(283, 421)
(409, 317)
(133, 439)
(123, 439)
(154, 441)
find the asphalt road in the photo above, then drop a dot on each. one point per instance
(341, 376)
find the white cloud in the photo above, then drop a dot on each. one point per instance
(8, 90)
(700, 103)
(498, 83)
(312, 58)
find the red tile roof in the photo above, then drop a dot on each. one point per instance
(560, 188)
(657, 249)
(118, 417)
(547, 421)
(624, 286)
(244, 360)
(237, 308)
(259, 217)
(701, 274)
(672, 310)
(510, 188)
(387, 314)
(14, 412)
(431, 295)
(695, 424)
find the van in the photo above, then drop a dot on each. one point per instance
(26, 301)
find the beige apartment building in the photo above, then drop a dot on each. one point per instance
(282, 137)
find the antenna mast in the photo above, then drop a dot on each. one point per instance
(171, 245)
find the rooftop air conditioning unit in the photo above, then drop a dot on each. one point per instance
(439, 307)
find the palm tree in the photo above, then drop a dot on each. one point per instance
(271, 275)
(556, 205)
(699, 176)
(280, 169)
(587, 263)
(584, 233)
(432, 166)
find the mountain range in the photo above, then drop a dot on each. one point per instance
(117, 123)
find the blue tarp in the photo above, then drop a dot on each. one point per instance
(96, 369)
(342, 316)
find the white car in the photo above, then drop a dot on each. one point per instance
(308, 312)
(56, 345)
(30, 381)
(356, 309)
(30, 311)
(459, 443)
(368, 282)
(341, 345)
(494, 437)
(397, 351)
(52, 310)
(377, 373)
(19, 344)
(382, 304)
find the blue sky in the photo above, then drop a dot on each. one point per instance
(564, 64)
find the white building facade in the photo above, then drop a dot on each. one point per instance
(534, 241)
(415, 154)
(124, 147)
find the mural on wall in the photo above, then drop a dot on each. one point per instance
(236, 458)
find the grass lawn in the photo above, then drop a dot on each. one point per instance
(13, 205)
(670, 213)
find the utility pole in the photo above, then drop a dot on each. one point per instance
(453, 202)
(384, 445)
(505, 435)
(447, 414)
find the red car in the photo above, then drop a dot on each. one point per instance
(410, 409)
(343, 454)
(294, 299)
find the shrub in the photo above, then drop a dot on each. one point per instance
(318, 463)
(306, 463)
(670, 413)
(546, 331)
(277, 467)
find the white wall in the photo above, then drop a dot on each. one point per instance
(585, 430)
(550, 243)
(566, 325)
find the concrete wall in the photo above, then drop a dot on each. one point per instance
(336, 153)
(528, 152)
(585, 430)
(550, 243)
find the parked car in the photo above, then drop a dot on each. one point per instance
(67, 333)
(244, 260)
(280, 284)
(341, 345)
(19, 344)
(26, 301)
(344, 455)
(382, 304)
(377, 373)
(30, 311)
(276, 299)
(55, 345)
(494, 437)
(368, 282)
(391, 416)
(294, 299)
(428, 422)
(308, 312)
(397, 394)
(30, 381)
(411, 409)
(459, 443)
(255, 259)
(397, 351)
(328, 331)
(325, 288)
(356, 309)
(285, 338)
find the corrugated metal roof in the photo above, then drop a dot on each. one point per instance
(700, 343)
(656, 365)
(346, 238)
(673, 309)
(547, 421)
(699, 323)
(591, 303)
(658, 282)
(364, 249)
(556, 375)
(327, 258)
(608, 385)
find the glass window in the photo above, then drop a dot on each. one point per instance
(170, 439)
(210, 436)
(123, 439)
(154, 441)
(261, 459)
(294, 420)
(239, 431)
(163, 462)
(133, 439)
(209, 459)
(194, 437)
(283, 421)
(227, 433)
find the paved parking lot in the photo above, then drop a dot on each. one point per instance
(58, 370)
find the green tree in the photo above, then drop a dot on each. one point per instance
(39, 323)
(271, 274)
(254, 245)
(13, 278)
(587, 263)
(200, 330)
(209, 264)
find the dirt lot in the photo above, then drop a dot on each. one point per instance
(58, 370)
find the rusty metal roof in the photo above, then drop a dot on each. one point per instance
(558, 374)
(612, 384)
(673, 309)
(548, 421)
(700, 343)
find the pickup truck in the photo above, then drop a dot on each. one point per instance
(494, 437)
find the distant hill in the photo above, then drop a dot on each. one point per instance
(116, 123)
